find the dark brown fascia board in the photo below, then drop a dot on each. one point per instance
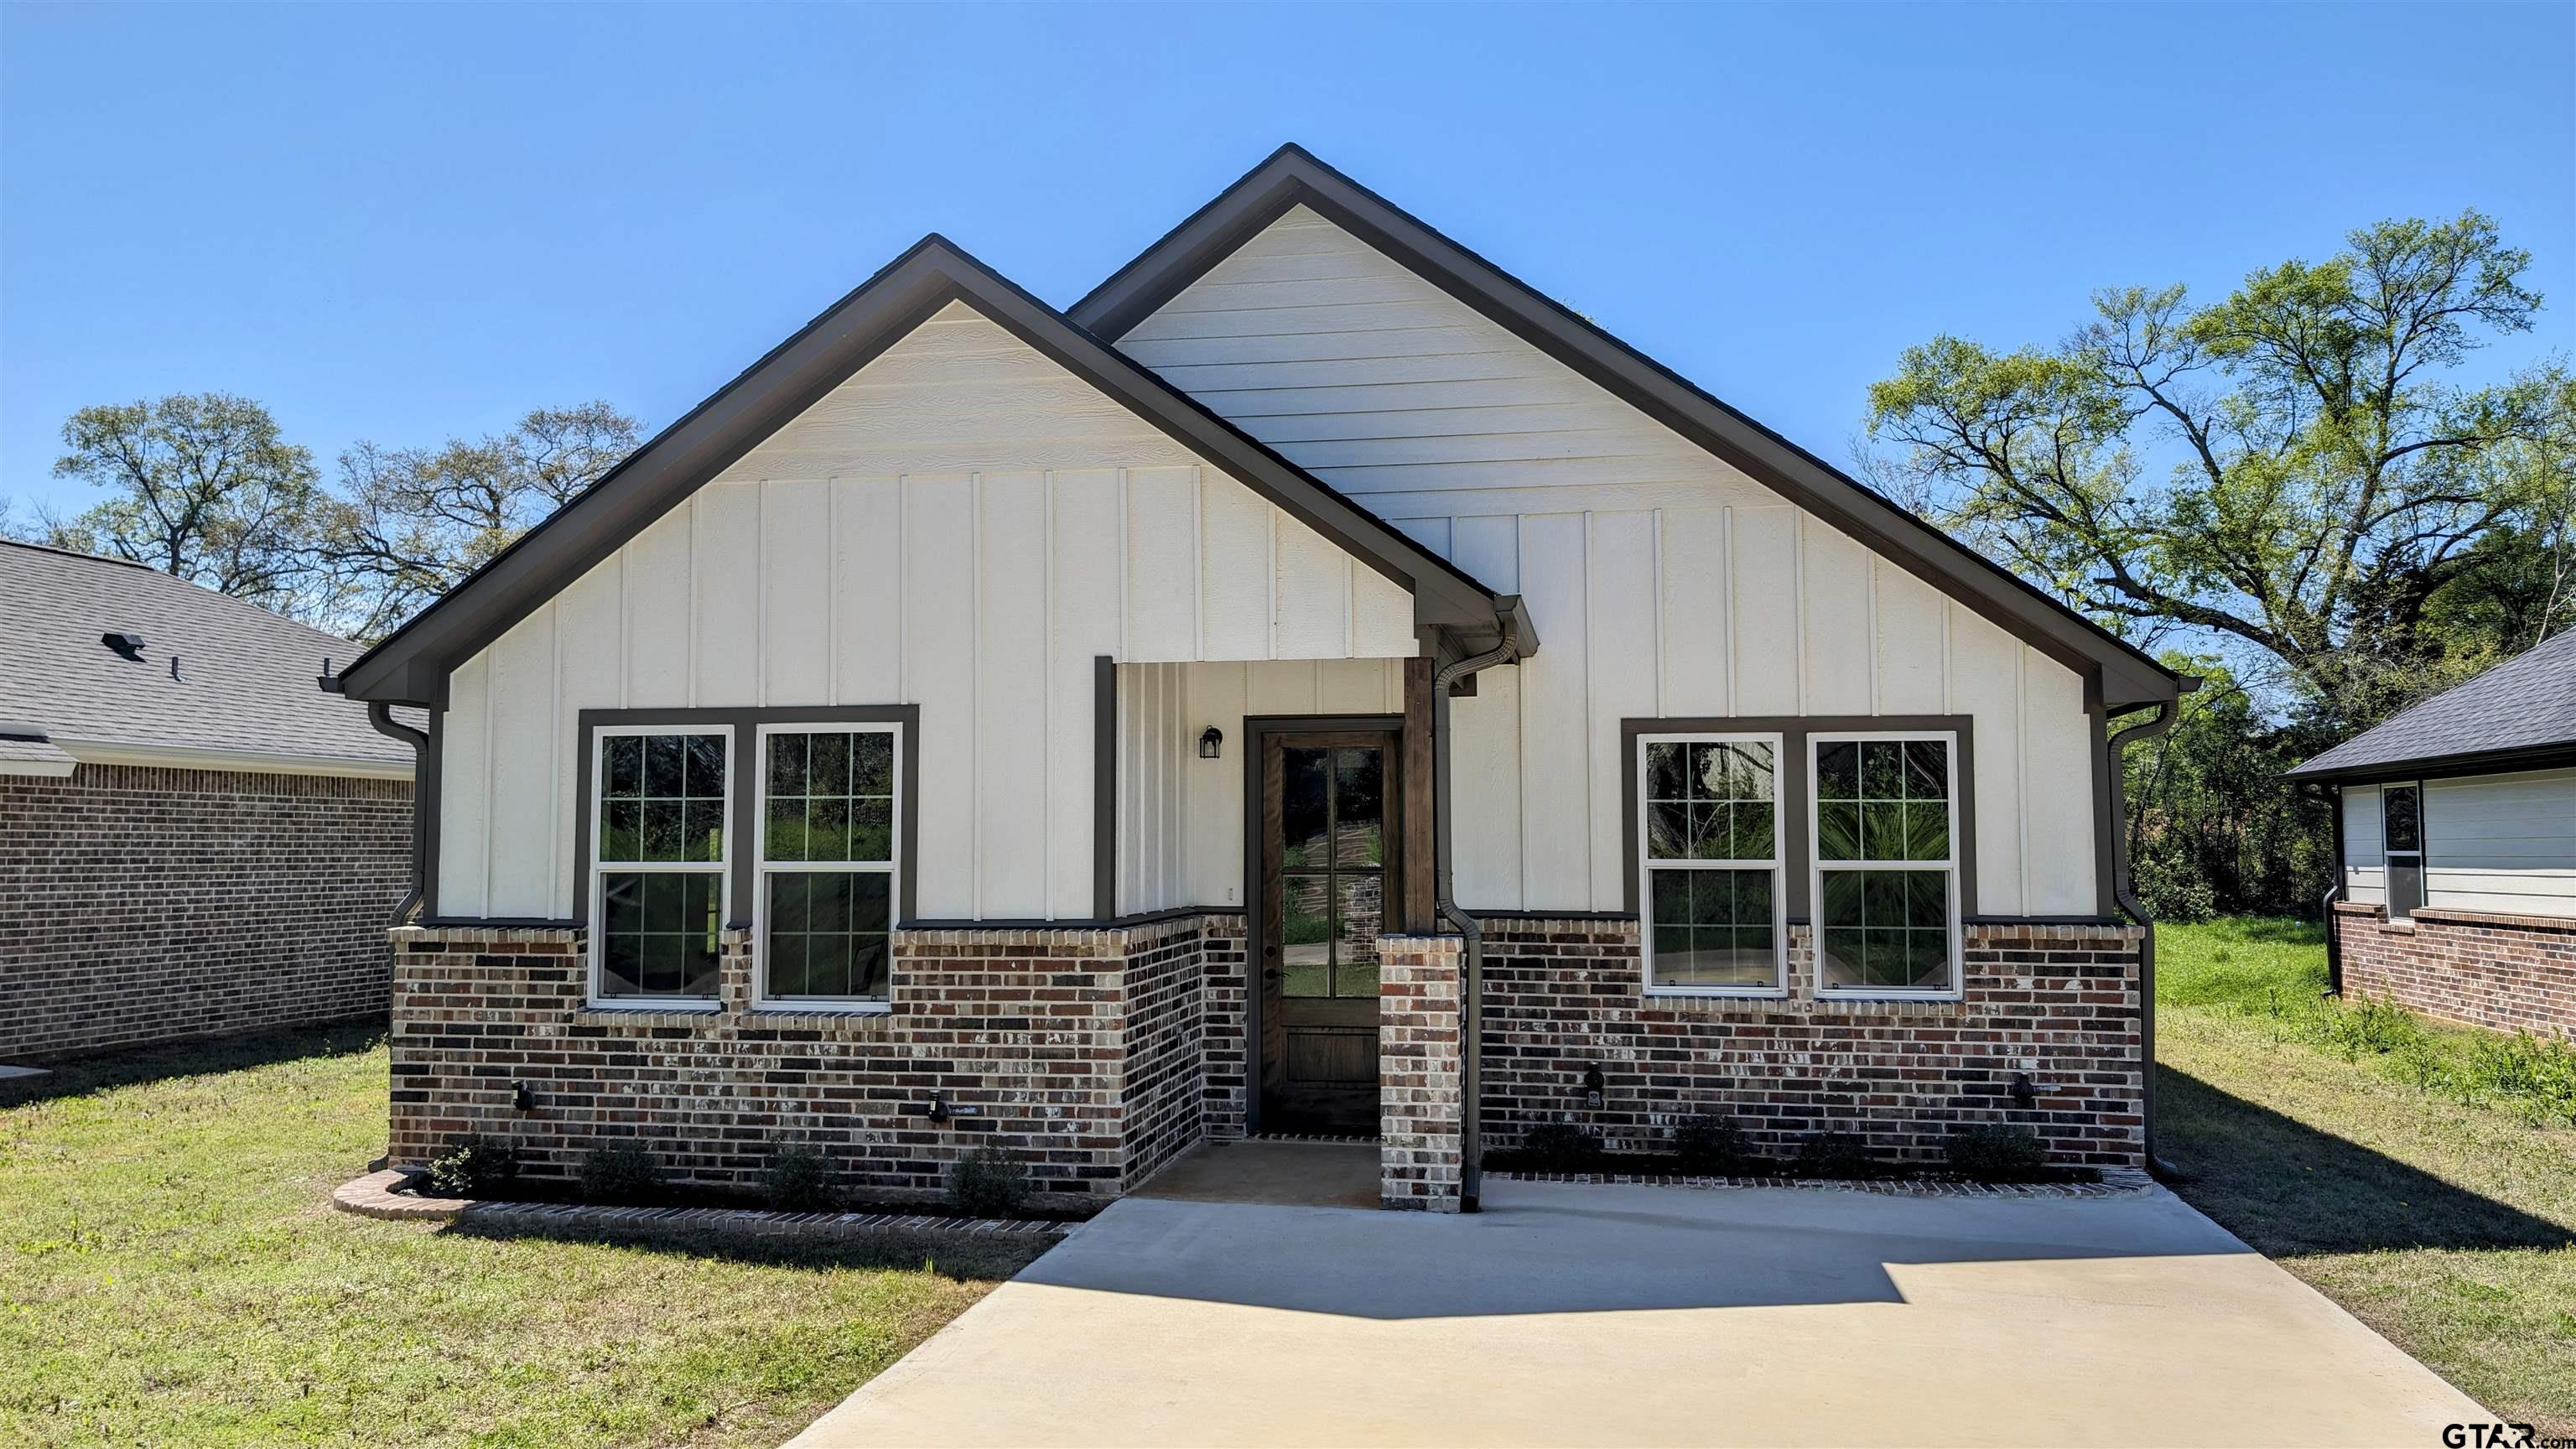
(2480, 762)
(412, 664)
(1292, 175)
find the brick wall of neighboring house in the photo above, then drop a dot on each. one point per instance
(2058, 1002)
(1082, 1050)
(142, 905)
(2506, 973)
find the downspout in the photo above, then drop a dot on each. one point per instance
(381, 715)
(2331, 796)
(2122, 892)
(1445, 904)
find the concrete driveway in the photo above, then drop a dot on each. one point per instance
(1640, 1315)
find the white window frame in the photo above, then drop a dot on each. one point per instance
(598, 998)
(2389, 855)
(763, 867)
(1648, 864)
(1817, 866)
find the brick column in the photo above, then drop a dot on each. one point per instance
(1421, 1084)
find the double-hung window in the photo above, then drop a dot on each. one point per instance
(658, 874)
(831, 815)
(1709, 849)
(1886, 884)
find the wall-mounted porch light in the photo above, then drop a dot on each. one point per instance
(1211, 740)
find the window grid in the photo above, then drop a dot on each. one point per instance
(1709, 854)
(1885, 883)
(660, 819)
(830, 813)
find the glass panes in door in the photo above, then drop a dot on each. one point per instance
(1332, 868)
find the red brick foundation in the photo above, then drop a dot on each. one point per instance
(1086, 1052)
(2056, 1002)
(142, 905)
(2506, 973)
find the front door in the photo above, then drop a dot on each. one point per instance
(1327, 824)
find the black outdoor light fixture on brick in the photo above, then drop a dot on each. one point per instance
(1211, 740)
(1593, 1085)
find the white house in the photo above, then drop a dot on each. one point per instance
(1097, 731)
(2455, 841)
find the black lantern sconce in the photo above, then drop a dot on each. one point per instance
(1211, 741)
(1592, 1085)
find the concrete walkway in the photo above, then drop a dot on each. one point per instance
(1571, 1314)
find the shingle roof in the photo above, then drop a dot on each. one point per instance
(245, 685)
(2524, 705)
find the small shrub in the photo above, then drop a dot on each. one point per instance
(1712, 1146)
(1561, 1147)
(2173, 895)
(989, 1182)
(474, 1166)
(1835, 1155)
(796, 1180)
(619, 1172)
(1997, 1152)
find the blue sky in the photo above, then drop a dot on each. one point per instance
(400, 223)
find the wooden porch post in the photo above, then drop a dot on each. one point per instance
(1419, 827)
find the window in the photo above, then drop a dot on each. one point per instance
(658, 875)
(1333, 880)
(1709, 847)
(2401, 815)
(829, 817)
(1886, 885)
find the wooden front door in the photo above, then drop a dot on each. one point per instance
(1327, 877)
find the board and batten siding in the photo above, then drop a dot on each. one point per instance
(963, 525)
(1663, 581)
(1180, 818)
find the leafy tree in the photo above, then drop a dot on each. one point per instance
(2331, 485)
(202, 486)
(2211, 824)
(410, 524)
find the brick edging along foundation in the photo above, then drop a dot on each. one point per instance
(381, 1195)
(2115, 1182)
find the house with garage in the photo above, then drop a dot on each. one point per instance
(1316, 684)
(2455, 850)
(193, 842)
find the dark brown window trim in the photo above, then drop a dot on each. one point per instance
(1794, 731)
(741, 861)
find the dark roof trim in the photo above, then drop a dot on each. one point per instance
(412, 664)
(1292, 176)
(2430, 767)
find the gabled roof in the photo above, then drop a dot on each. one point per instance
(1293, 177)
(243, 697)
(2519, 714)
(412, 664)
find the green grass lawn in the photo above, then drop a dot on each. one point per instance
(2377, 1162)
(172, 1272)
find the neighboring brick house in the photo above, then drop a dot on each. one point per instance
(193, 842)
(2455, 838)
(1318, 685)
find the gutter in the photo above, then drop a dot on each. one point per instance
(2122, 892)
(381, 715)
(1516, 643)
